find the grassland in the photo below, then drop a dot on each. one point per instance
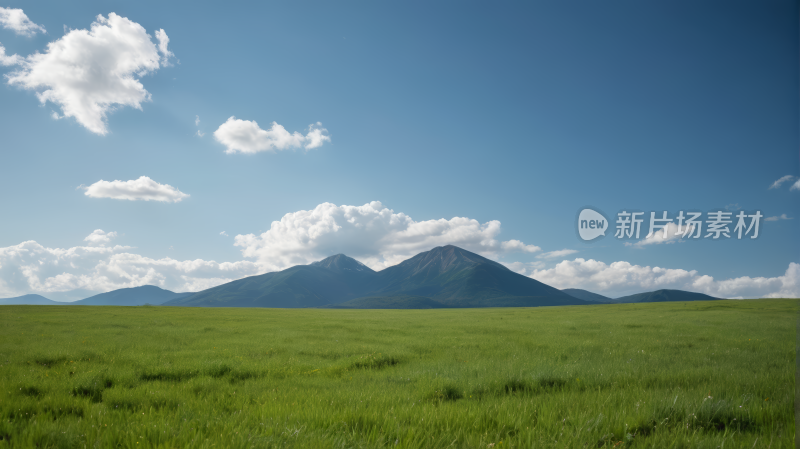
(665, 375)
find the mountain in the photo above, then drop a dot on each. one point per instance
(459, 278)
(390, 302)
(136, 296)
(445, 276)
(586, 295)
(664, 296)
(330, 281)
(36, 300)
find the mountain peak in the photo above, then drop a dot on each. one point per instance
(445, 258)
(341, 263)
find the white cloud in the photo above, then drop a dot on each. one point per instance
(17, 21)
(143, 188)
(525, 268)
(244, 136)
(779, 217)
(163, 42)
(555, 254)
(89, 73)
(98, 237)
(372, 233)
(659, 236)
(200, 133)
(795, 186)
(32, 268)
(622, 278)
(780, 181)
(196, 120)
(7, 60)
(223, 233)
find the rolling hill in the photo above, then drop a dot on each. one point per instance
(35, 300)
(664, 296)
(135, 296)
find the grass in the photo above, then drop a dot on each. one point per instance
(663, 375)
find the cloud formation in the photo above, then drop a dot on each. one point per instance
(623, 278)
(31, 267)
(7, 60)
(372, 233)
(17, 21)
(779, 217)
(668, 234)
(244, 136)
(98, 237)
(89, 73)
(780, 181)
(795, 186)
(144, 189)
(555, 254)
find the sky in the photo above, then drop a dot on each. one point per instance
(185, 145)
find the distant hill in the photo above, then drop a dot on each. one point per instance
(664, 296)
(33, 300)
(447, 276)
(586, 295)
(135, 296)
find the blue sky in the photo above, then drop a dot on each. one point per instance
(517, 113)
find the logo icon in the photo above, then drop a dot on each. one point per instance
(591, 224)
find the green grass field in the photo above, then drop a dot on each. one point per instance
(663, 375)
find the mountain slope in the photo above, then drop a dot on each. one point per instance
(664, 296)
(34, 300)
(586, 295)
(135, 296)
(459, 278)
(330, 281)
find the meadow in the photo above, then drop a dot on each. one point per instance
(663, 375)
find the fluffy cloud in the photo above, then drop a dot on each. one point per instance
(17, 21)
(778, 217)
(555, 254)
(89, 73)
(143, 188)
(372, 233)
(622, 278)
(98, 237)
(7, 60)
(244, 136)
(781, 180)
(31, 267)
(795, 186)
(668, 234)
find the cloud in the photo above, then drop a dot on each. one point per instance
(98, 237)
(223, 233)
(243, 136)
(622, 278)
(525, 268)
(733, 207)
(795, 186)
(17, 21)
(30, 267)
(196, 120)
(89, 73)
(780, 217)
(200, 133)
(659, 237)
(780, 181)
(9, 60)
(555, 254)
(143, 188)
(372, 233)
